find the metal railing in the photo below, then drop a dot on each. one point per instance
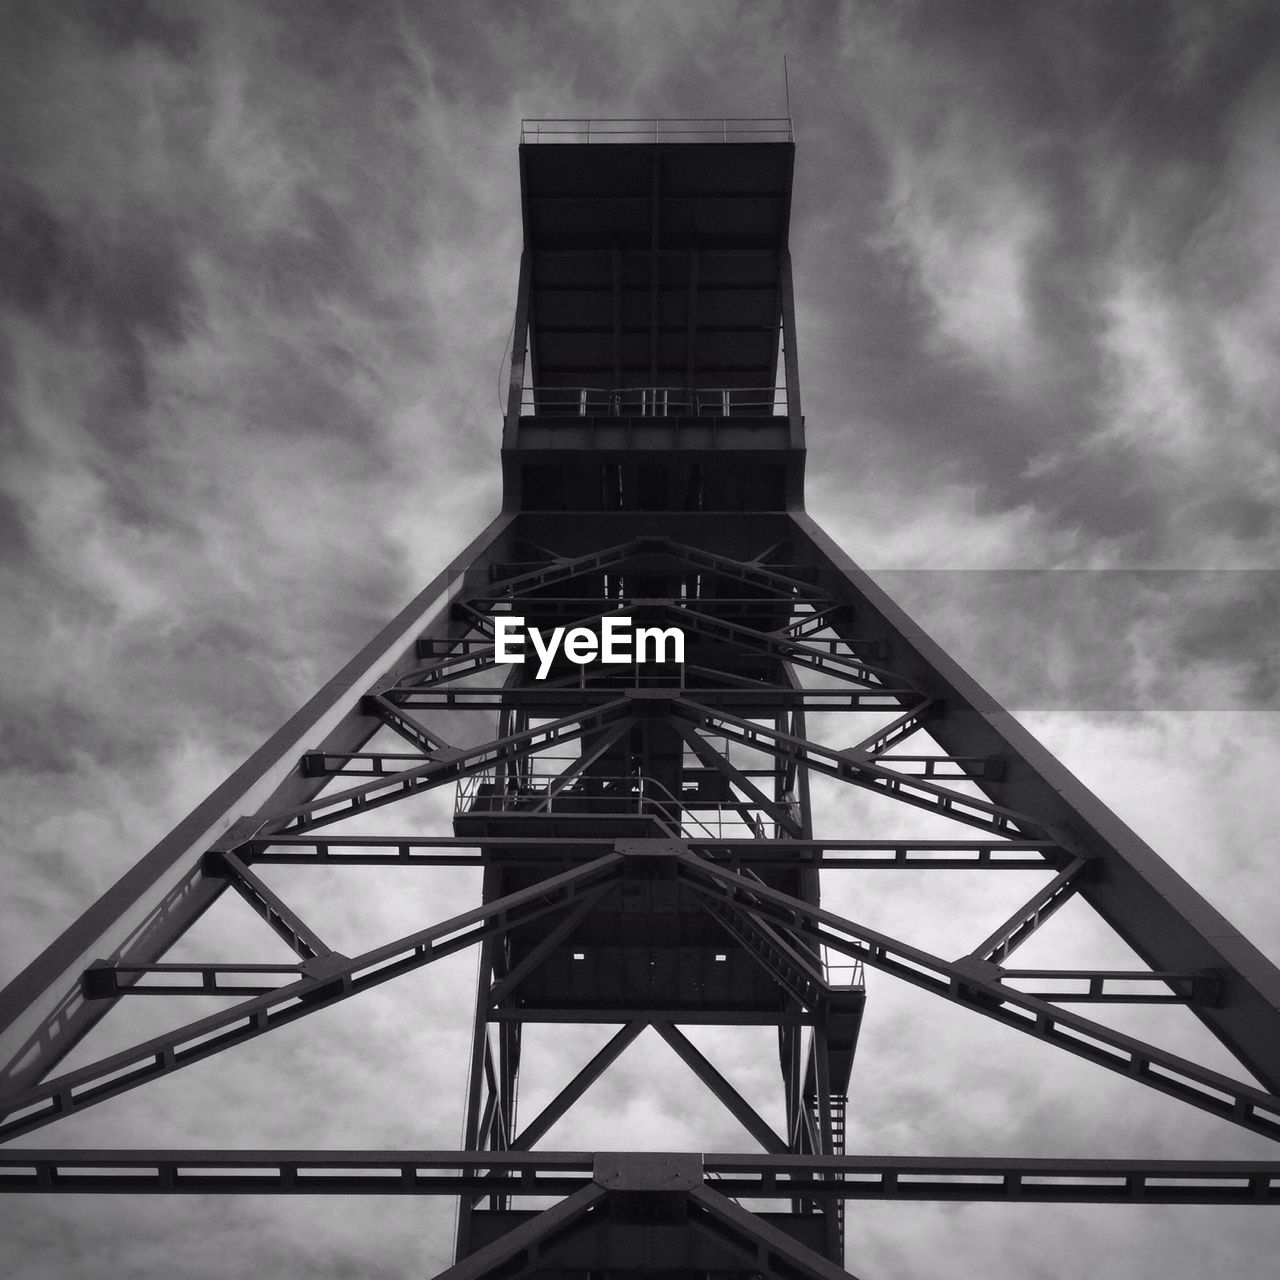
(651, 129)
(546, 794)
(654, 402)
(841, 972)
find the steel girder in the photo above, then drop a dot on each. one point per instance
(559, 1173)
(678, 838)
(571, 876)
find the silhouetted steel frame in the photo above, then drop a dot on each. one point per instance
(1149, 905)
(960, 981)
(559, 1173)
(270, 809)
(43, 1012)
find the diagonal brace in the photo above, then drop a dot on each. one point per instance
(454, 765)
(505, 985)
(713, 759)
(919, 792)
(284, 921)
(520, 1251)
(742, 1110)
(577, 1086)
(1030, 916)
(976, 986)
(757, 1240)
(339, 979)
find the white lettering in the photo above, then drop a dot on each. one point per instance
(615, 637)
(508, 630)
(660, 636)
(546, 652)
(580, 645)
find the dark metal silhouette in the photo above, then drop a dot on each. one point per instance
(645, 830)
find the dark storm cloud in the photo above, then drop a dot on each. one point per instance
(259, 269)
(1034, 163)
(131, 22)
(124, 290)
(1107, 640)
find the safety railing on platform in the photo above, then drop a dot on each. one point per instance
(651, 129)
(841, 972)
(654, 402)
(630, 796)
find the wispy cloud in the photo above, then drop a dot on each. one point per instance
(257, 265)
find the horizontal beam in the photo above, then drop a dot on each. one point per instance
(103, 980)
(860, 855)
(1113, 986)
(359, 764)
(541, 1173)
(699, 1015)
(767, 698)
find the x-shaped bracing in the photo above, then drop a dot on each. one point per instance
(971, 983)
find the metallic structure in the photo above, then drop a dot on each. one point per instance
(645, 830)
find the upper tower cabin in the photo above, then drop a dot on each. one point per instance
(654, 364)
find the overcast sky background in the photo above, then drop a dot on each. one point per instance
(257, 269)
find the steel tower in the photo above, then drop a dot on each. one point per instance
(645, 827)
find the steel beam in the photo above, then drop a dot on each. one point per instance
(581, 1082)
(738, 1106)
(43, 1014)
(1149, 906)
(757, 1242)
(524, 1249)
(334, 978)
(1020, 1179)
(976, 986)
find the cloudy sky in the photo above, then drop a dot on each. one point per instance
(257, 268)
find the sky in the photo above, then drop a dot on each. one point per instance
(257, 272)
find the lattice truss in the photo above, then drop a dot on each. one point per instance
(661, 845)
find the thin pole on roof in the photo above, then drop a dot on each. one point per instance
(786, 87)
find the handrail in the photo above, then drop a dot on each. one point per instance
(653, 402)
(842, 973)
(658, 129)
(536, 794)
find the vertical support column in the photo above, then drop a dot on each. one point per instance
(475, 1083)
(822, 1079)
(615, 266)
(791, 361)
(519, 343)
(691, 338)
(655, 222)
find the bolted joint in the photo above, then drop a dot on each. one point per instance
(99, 981)
(647, 1171)
(983, 973)
(213, 864)
(1206, 989)
(238, 835)
(313, 764)
(650, 859)
(388, 680)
